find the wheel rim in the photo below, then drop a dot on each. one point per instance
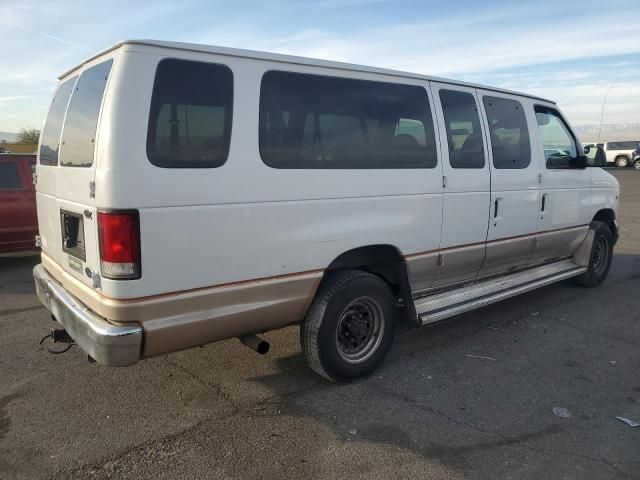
(600, 256)
(636, 165)
(359, 330)
(622, 162)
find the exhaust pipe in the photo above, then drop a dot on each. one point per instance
(255, 343)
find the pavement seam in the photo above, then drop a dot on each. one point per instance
(217, 389)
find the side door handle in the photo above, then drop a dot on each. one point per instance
(496, 209)
(543, 205)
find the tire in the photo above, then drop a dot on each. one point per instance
(600, 258)
(636, 164)
(622, 162)
(337, 348)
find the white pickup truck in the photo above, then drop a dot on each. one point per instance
(188, 194)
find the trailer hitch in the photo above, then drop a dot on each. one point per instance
(57, 335)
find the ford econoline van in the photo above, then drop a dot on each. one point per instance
(188, 194)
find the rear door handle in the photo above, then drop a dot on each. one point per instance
(544, 202)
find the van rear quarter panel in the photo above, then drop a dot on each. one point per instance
(245, 220)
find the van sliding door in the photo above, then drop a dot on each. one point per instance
(515, 189)
(466, 180)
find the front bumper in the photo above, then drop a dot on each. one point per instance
(108, 344)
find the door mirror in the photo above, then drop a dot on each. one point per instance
(562, 159)
(595, 156)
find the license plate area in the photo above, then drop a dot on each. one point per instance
(73, 234)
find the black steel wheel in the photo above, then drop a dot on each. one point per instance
(350, 326)
(600, 258)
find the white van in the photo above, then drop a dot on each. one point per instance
(188, 194)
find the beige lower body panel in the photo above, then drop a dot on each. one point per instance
(509, 254)
(558, 243)
(422, 270)
(182, 320)
(459, 264)
(231, 311)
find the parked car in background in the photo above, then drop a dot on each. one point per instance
(635, 159)
(18, 218)
(619, 153)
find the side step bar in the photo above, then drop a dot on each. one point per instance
(434, 308)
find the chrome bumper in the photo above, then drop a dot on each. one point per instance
(109, 344)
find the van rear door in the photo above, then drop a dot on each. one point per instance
(65, 191)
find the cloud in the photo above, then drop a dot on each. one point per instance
(13, 98)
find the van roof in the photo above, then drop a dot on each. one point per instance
(291, 59)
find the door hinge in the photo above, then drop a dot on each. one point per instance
(539, 178)
(38, 241)
(92, 189)
(35, 178)
(444, 181)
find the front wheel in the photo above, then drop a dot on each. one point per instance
(350, 326)
(636, 164)
(600, 258)
(622, 162)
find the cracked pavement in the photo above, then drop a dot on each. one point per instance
(469, 398)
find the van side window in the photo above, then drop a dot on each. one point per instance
(622, 145)
(560, 146)
(190, 116)
(81, 122)
(9, 177)
(509, 133)
(50, 142)
(318, 122)
(466, 147)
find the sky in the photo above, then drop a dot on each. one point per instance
(570, 51)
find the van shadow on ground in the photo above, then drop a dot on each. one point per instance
(477, 392)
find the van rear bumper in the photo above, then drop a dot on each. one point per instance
(108, 344)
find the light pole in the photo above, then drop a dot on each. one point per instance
(602, 112)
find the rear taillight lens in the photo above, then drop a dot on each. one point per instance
(119, 236)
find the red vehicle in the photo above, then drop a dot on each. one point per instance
(18, 219)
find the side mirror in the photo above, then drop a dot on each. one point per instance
(595, 157)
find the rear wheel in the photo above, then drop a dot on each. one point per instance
(600, 258)
(350, 326)
(622, 162)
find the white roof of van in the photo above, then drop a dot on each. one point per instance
(291, 59)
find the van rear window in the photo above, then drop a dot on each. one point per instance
(50, 143)
(81, 123)
(317, 122)
(190, 117)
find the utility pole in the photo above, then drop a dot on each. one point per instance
(602, 112)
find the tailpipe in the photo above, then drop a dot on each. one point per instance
(255, 343)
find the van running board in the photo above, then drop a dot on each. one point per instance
(434, 308)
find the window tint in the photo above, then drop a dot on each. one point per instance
(509, 133)
(312, 121)
(50, 142)
(463, 129)
(80, 125)
(622, 146)
(9, 178)
(190, 118)
(560, 147)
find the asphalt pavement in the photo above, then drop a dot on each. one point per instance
(470, 398)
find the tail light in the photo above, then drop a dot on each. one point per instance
(119, 236)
